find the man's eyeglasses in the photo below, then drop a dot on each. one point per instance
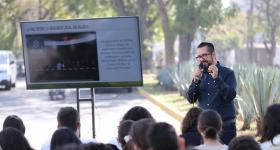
(202, 56)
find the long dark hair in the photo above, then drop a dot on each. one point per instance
(63, 136)
(190, 120)
(210, 122)
(271, 123)
(136, 113)
(15, 122)
(123, 131)
(13, 139)
(139, 132)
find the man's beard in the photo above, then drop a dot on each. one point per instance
(206, 63)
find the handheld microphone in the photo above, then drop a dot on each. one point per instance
(203, 68)
(197, 78)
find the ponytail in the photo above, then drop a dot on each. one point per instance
(210, 133)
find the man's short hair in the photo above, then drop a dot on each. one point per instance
(68, 117)
(15, 122)
(210, 46)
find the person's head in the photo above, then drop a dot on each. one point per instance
(136, 113)
(89, 146)
(205, 54)
(138, 133)
(271, 123)
(209, 124)
(71, 147)
(63, 136)
(123, 133)
(99, 146)
(68, 117)
(13, 139)
(15, 122)
(243, 143)
(190, 119)
(162, 136)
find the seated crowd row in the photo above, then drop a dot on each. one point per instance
(138, 130)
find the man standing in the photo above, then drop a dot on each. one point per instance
(213, 86)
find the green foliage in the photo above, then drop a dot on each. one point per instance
(183, 76)
(194, 14)
(178, 76)
(229, 35)
(89, 8)
(164, 78)
(10, 14)
(258, 88)
(230, 11)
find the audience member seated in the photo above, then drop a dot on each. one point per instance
(13, 139)
(162, 136)
(63, 136)
(189, 128)
(138, 133)
(209, 126)
(135, 113)
(68, 117)
(244, 143)
(71, 147)
(15, 122)
(270, 136)
(123, 134)
(89, 146)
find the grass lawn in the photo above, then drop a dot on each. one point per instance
(174, 101)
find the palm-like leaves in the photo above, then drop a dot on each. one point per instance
(257, 87)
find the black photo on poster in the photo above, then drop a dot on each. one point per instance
(63, 57)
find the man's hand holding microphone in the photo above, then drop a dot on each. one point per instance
(212, 70)
(197, 75)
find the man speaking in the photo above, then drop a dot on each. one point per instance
(213, 86)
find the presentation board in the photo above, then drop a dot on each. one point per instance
(81, 53)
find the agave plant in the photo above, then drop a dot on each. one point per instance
(261, 88)
(242, 102)
(164, 78)
(182, 76)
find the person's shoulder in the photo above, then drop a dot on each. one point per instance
(87, 140)
(211, 147)
(269, 146)
(224, 68)
(114, 141)
(46, 145)
(202, 146)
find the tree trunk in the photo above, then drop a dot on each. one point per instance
(259, 126)
(273, 45)
(185, 42)
(142, 11)
(169, 49)
(246, 125)
(169, 38)
(119, 6)
(250, 36)
(143, 7)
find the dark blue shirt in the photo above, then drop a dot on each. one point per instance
(217, 94)
(192, 137)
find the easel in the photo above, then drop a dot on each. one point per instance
(92, 99)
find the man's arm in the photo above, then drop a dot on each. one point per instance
(193, 92)
(227, 87)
